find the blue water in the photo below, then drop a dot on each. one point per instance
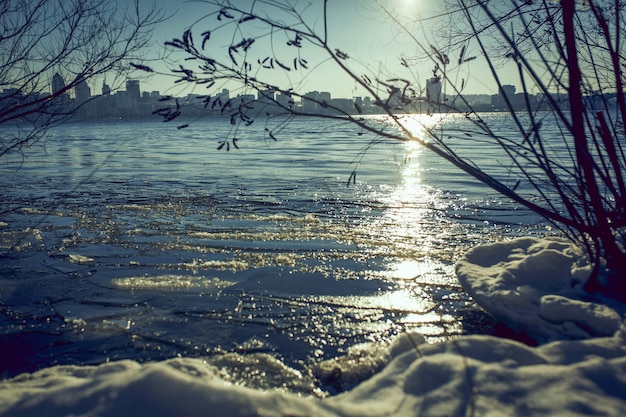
(135, 240)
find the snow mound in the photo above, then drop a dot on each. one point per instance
(533, 286)
(472, 375)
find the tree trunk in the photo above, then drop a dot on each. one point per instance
(599, 227)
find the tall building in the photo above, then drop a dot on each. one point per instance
(106, 89)
(222, 98)
(82, 91)
(309, 101)
(313, 100)
(58, 83)
(507, 90)
(132, 89)
(499, 100)
(433, 90)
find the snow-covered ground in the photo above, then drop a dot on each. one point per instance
(535, 287)
(527, 283)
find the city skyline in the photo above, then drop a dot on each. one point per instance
(134, 102)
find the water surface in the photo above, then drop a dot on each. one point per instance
(132, 239)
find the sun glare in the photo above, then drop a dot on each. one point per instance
(403, 221)
(419, 124)
(409, 6)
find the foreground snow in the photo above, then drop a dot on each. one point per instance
(526, 282)
(488, 375)
(535, 287)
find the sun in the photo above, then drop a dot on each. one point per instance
(409, 6)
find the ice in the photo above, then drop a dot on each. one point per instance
(170, 281)
(80, 259)
(346, 371)
(531, 284)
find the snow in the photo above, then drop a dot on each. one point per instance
(533, 285)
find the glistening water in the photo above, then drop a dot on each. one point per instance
(135, 240)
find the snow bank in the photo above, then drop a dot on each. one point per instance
(534, 286)
(487, 375)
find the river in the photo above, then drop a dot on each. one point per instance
(135, 240)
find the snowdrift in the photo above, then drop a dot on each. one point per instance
(491, 376)
(534, 286)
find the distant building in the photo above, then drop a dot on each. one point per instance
(132, 89)
(504, 92)
(134, 103)
(123, 101)
(507, 90)
(266, 95)
(222, 98)
(285, 100)
(309, 104)
(433, 90)
(517, 101)
(58, 84)
(82, 91)
(246, 98)
(10, 97)
(343, 104)
(314, 100)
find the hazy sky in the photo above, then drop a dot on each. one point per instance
(358, 27)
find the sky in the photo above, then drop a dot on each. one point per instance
(373, 42)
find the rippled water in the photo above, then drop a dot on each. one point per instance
(132, 239)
